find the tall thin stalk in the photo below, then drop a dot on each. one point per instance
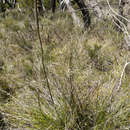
(42, 51)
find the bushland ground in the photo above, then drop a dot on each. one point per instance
(83, 70)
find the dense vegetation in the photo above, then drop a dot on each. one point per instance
(75, 81)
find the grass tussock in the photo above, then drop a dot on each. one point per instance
(83, 70)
